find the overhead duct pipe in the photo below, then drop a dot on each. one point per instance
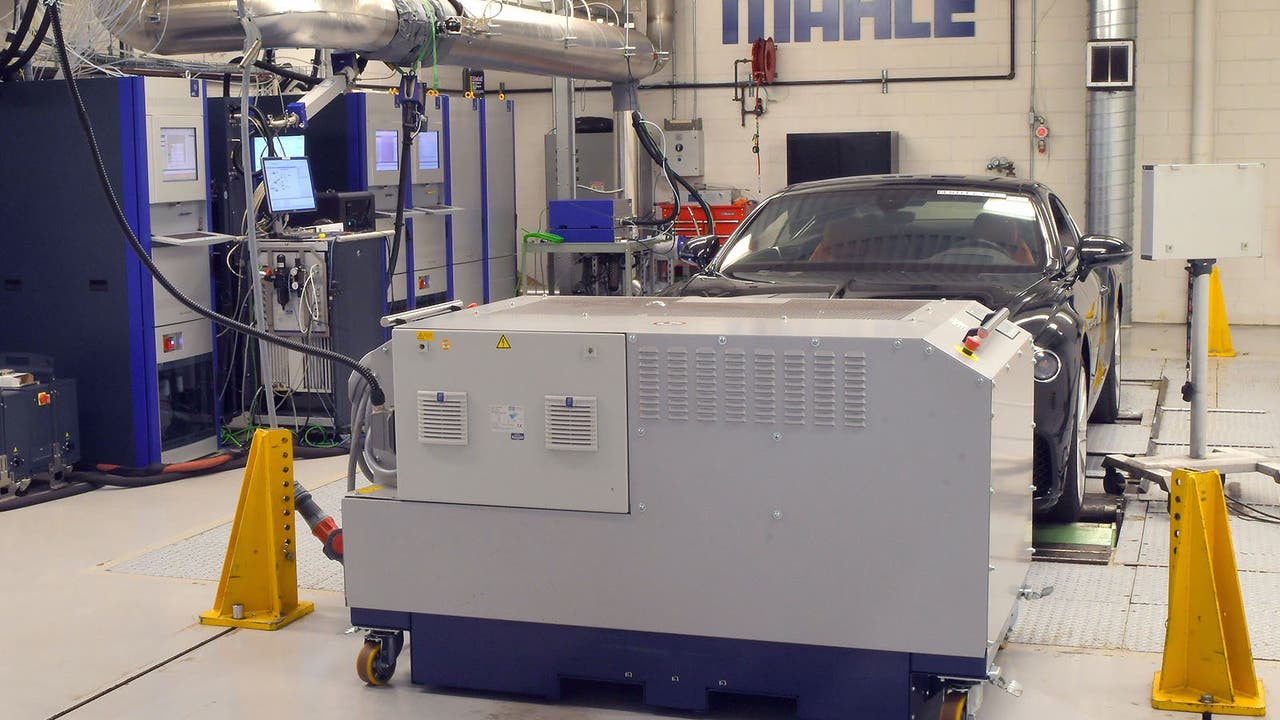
(471, 33)
(1111, 136)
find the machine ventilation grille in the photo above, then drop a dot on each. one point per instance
(764, 370)
(705, 372)
(824, 389)
(571, 423)
(294, 371)
(794, 387)
(442, 417)
(677, 384)
(649, 383)
(855, 390)
(735, 386)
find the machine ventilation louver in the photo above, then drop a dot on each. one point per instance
(764, 369)
(649, 384)
(442, 417)
(677, 384)
(571, 423)
(855, 390)
(705, 373)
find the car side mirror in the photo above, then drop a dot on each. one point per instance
(1100, 250)
(700, 250)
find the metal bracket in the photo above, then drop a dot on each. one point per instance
(1013, 687)
(1027, 593)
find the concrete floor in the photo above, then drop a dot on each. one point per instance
(114, 645)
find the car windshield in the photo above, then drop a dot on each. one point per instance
(889, 229)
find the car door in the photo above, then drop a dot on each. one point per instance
(1087, 296)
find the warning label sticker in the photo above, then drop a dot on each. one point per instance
(506, 418)
(503, 343)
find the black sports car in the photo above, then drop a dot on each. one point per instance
(1003, 242)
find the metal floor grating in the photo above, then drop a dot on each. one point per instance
(1227, 428)
(200, 556)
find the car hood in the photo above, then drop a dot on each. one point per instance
(993, 290)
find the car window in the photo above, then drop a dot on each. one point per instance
(893, 228)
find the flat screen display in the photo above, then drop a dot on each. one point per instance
(288, 182)
(429, 150)
(178, 154)
(286, 146)
(386, 150)
(819, 156)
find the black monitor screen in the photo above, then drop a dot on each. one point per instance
(819, 156)
(288, 182)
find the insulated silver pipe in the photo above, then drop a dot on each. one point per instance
(1111, 137)
(486, 34)
(1203, 76)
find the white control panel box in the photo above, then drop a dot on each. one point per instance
(1201, 212)
(684, 152)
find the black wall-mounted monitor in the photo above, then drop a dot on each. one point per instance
(819, 156)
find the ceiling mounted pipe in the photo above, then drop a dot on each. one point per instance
(491, 35)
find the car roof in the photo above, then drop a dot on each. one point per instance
(974, 182)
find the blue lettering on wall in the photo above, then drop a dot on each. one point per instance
(782, 20)
(945, 25)
(904, 25)
(794, 20)
(880, 10)
(827, 18)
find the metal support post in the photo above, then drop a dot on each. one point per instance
(1200, 271)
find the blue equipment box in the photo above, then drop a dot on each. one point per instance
(587, 221)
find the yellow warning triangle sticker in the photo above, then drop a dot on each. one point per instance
(503, 344)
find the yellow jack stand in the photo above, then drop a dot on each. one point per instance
(1219, 330)
(259, 586)
(1208, 664)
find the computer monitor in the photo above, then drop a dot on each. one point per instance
(286, 146)
(178, 152)
(386, 150)
(288, 183)
(429, 150)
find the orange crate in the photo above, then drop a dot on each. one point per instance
(692, 221)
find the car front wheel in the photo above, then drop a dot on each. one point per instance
(1070, 503)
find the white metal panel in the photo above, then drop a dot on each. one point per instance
(1199, 212)
(507, 446)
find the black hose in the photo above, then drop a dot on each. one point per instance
(16, 66)
(307, 81)
(652, 150)
(376, 394)
(406, 153)
(44, 497)
(24, 25)
(637, 122)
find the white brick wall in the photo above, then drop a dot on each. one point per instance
(1246, 129)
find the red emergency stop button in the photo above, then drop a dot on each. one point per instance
(43, 399)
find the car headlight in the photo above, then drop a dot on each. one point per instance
(1047, 366)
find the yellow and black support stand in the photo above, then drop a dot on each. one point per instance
(1219, 329)
(259, 586)
(1208, 663)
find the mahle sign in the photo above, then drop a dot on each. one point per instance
(795, 20)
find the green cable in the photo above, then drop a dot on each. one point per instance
(524, 253)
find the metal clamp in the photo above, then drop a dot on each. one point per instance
(1013, 687)
(1027, 593)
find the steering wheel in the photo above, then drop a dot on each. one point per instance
(983, 243)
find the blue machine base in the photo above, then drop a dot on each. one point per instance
(676, 671)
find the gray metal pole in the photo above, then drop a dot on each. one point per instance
(251, 47)
(1200, 270)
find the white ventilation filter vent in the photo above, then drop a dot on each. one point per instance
(572, 423)
(442, 417)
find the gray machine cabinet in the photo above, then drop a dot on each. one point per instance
(500, 199)
(821, 472)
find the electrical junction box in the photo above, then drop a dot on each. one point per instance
(684, 147)
(714, 467)
(1202, 212)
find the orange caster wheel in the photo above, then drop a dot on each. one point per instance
(376, 662)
